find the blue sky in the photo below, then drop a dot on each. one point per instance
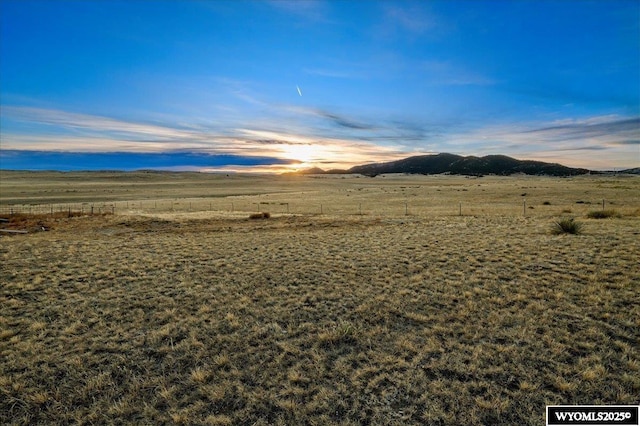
(213, 85)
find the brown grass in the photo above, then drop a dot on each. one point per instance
(212, 319)
(40, 222)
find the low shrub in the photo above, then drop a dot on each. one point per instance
(567, 226)
(602, 214)
(262, 215)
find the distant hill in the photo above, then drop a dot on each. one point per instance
(460, 165)
(635, 171)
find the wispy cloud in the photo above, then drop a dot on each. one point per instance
(71, 120)
(349, 124)
(622, 131)
(412, 19)
(569, 141)
(390, 132)
(240, 89)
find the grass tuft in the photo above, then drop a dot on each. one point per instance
(567, 226)
(343, 332)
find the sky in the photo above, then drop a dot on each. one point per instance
(272, 86)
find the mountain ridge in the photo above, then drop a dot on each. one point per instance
(459, 165)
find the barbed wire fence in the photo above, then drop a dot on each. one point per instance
(308, 207)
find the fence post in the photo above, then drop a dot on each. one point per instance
(320, 208)
(603, 204)
(459, 209)
(524, 207)
(406, 209)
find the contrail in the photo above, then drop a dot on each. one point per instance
(299, 91)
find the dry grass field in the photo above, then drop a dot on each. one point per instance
(436, 300)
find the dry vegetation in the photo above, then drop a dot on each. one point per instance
(428, 318)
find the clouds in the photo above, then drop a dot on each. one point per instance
(62, 131)
(336, 119)
(572, 142)
(326, 138)
(616, 131)
(168, 160)
(410, 18)
(73, 121)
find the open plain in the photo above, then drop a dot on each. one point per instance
(438, 300)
